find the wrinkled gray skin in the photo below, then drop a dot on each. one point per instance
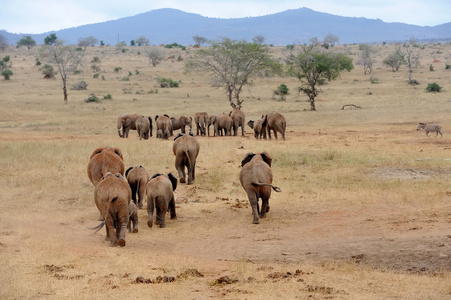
(238, 120)
(137, 178)
(275, 122)
(112, 197)
(160, 197)
(256, 179)
(181, 122)
(164, 126)
(126, 123)
(201, 120)
(186, 149)
(259, 129)
(144, 127)
(222, 122)
(133, 217)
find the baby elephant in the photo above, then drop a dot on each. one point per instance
(256, 179)
(112, 196)
(160, 196)
(137, 178)
(133, 217)
(186, 149)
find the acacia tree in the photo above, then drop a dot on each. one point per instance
(155, 56)
(26, 41)
(411, 56)
(87, 41)
(314, 68)
(66, 58)
(142, 41)
(233, 64)
(199, 40)
(366, 58)
(394, 60)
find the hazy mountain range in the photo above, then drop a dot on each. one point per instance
(164, 26)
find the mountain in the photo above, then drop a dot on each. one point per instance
(163, 26)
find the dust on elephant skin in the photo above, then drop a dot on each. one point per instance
(160, 197)
(186, 149)
(105, 160)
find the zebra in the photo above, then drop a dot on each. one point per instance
(430, 128)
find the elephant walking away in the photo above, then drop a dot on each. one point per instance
(256, 179)
(137, 178)
(133, 217)
(144, 127)
(238, 120)
(186, 149)
(201, 120)
(112, 197)
(259, 129)
(275, 122)
(126, 123)
(164, 126)
(181, 122)
(160, 197)
(105, 160)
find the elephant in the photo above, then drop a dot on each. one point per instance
(105, 160)
(133, 217)
(186, 149)
(275, 122)
(256, 179)
(160, 196)
(181, 122)
(238, 120)
(223, 122)
(211, 121)
(137, 178)
(144, 127)
(126, 123)
(201, 120)
(164, 124)
(112, 196)
(259, 129)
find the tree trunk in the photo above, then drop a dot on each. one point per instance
(312, 103)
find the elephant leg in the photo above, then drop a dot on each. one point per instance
(265, 207)
(160, 216)
(120, 234)
(133, 187)
(269, 133)
(275, 134)
(111, 234)
(182, 129)
(172, 208)
(242, 130)
(135, 223)
(141, 191)
(150, 209)
(253, 200)
(180, 166)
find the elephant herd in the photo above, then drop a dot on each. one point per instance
(119, 194)
(223, 124)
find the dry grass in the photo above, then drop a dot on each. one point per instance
(359, 215)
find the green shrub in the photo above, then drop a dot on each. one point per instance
(282, 90)
(447, 67)
(96, 75)
(95, 68)
(47, 71)
(38, 62)
(126, 78)
(95, 60)
(108, 97)
(78, 72)
(7, 74)
(167, 82)
(414, 82)
(92, 98)
(433, 87)
(117, 69)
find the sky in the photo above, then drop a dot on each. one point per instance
(41, 16)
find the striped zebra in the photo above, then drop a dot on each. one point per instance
(430, 128)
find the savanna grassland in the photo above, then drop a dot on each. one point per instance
(364, 211)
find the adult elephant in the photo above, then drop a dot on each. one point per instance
(186, 149)
(181, 122)
(201, 120)
(275, 122)
(164, 126)
(256, 179)
(238, 120)
(259, 129)
(223, 122)
(137, 178)
(160, 197)
(103, 160)
(126, 123)
(211, 121)
(112, 197)
(144, 127)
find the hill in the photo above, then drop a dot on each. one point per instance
(164, 26)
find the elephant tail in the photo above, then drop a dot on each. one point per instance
(275, 188)
(98, 227)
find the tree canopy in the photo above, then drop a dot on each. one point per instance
(50, 39)
(26, 41)
(315, 68)
(233, 64)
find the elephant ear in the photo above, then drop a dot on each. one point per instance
(156, 118)
(107, 174)
(155, 175)
(264, 120)
(167, 116)
(119, 153)
(247, 158)
(251, 124)
(97, 151)
(266, 158)
(178, 135)
(150, 120)
(173, 180)
(128, 170)
(191, 134)
(120, 176)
